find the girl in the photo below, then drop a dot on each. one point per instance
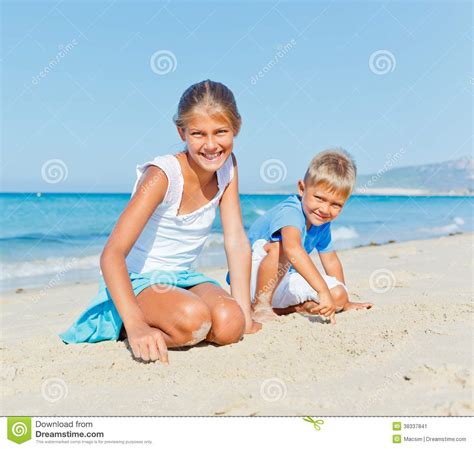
(148, 290)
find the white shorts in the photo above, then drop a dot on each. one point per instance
(293, 288)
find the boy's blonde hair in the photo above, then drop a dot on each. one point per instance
(211, 97)
(333, 168)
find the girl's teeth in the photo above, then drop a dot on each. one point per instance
(212, 157)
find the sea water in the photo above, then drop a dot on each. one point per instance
(59, 237)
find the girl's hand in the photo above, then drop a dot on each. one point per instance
(147, 342)
(253, 328)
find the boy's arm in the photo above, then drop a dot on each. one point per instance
(332, 265)
(302, 263)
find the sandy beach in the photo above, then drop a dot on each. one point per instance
(410, 355)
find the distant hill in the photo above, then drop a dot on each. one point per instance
(455, 177)
(450, 177)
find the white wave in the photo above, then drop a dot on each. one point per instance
(259, 211)
(446, 229)
(12, 270)
(343, 233)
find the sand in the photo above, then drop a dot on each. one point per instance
(410, 355)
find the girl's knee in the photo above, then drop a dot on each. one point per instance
(193, 322)
(228, 323)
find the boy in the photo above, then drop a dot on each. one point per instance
(284, 278)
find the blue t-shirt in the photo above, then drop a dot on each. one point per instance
(290, 213)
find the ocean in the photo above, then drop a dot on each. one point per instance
(50, 238)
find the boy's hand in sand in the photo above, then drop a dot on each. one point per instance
(326, 306)
(147, 342)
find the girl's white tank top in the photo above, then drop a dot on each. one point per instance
(169, 241)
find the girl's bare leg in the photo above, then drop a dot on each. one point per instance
(228, 321)
(183, 317)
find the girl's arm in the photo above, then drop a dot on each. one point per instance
(237, 249)
(332, 265)
(146, 342)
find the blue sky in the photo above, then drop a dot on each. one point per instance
(79, 89)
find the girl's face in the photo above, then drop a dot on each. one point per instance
(209, 141)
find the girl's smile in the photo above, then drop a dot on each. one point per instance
(209, 140)
(211, 157)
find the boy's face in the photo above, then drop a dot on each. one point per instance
(209, 141)
(320, 205)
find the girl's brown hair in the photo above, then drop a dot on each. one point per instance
(210, 97)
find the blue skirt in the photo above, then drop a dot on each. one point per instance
(101, 320)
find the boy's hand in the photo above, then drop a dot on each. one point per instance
(326, 307)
